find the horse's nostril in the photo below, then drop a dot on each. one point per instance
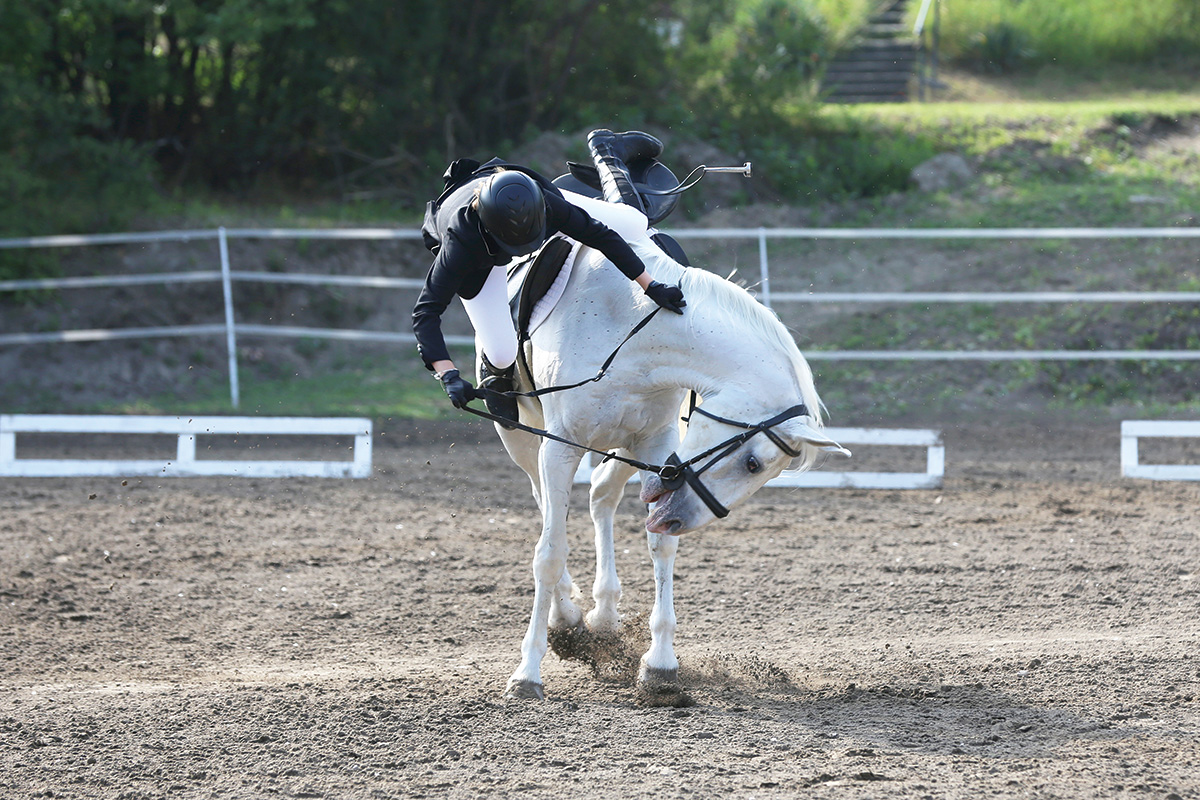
(672, 527)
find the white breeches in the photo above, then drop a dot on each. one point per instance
(627, 221)
(490, 317)
(488, 310)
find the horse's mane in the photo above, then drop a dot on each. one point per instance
(703, 288)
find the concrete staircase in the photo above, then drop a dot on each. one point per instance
(879, 67)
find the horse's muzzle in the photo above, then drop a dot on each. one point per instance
(652, 488)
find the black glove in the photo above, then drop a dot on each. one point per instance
(668, 297)
(457, 389)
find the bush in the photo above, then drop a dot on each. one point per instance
(1002, 48)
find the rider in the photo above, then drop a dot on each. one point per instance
(504, 211)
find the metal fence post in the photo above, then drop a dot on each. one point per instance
(230, 333)
(762, 267)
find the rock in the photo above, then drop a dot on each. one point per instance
(945, 171)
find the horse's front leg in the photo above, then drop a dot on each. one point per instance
(608, 486)
(556, 468)
(658, 677)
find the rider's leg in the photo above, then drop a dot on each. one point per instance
(611, 152)
(497, 342)
(629, 223)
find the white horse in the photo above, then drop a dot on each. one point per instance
(727, 348)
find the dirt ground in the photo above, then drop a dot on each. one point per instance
(1029, 630)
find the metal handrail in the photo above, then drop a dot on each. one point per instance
(927, 65)
(919, 27)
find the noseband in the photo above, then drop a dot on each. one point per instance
(674, 473)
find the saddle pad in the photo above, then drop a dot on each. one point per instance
(525, 279)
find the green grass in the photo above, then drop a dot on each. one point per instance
(1096, 159)
(1102, 134)
(1002, 34)
(377, 390)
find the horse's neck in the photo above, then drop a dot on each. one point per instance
(699, 352)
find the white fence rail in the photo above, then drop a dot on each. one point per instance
(186, 430)
(231, 328)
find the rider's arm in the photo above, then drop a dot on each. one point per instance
(444, 280)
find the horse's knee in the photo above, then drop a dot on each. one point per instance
(549, 563)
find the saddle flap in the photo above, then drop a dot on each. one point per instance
(536, 277)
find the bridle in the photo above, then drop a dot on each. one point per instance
(674, 472)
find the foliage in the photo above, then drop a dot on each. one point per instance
(736, 64)
(328, 98)
(56, 175)
(1001, 48)
(341, 96)
(225, 91)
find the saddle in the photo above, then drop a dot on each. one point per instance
(535, 283)
(531, 280)
(648, 174)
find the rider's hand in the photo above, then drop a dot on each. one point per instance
(668, 297)
(459, 391)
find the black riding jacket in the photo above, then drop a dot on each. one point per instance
(468, 253)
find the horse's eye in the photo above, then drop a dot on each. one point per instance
(752, 464)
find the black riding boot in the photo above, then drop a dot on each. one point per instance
(499, 380)
(610, 152)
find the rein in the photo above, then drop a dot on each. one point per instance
(674, 472)
(482, 391)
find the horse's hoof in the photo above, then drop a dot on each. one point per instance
(661, 687)
(524, 690)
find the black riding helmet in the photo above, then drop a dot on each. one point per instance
(513, 211)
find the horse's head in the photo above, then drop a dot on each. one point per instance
(722, 461)
(762, 413)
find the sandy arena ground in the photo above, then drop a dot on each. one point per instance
(1030, 630)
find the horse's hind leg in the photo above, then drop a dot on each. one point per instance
(556, 468)
(608, 486)
(658, 677)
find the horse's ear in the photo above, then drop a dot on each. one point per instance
(802, 431)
